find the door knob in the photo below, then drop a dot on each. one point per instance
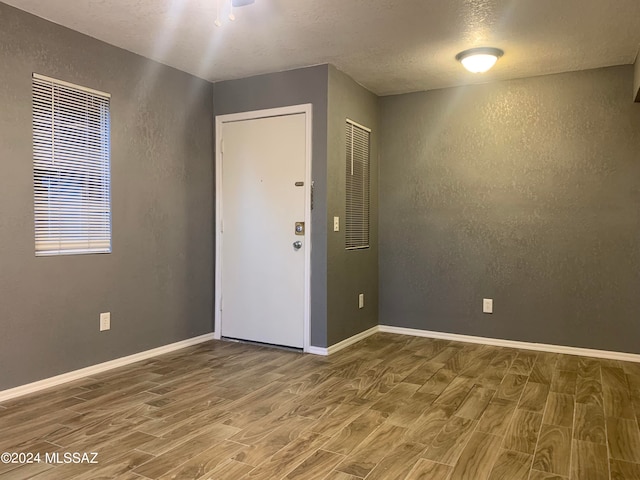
(297, 245)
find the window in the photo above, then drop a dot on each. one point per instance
(357, 186)
(71, 177)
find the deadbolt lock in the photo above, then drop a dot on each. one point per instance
(299, 228)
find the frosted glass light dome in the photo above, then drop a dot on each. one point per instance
(479, 60)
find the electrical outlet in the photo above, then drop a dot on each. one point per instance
(487, 305)
(105, 321)
(361, 300)
(336, 224)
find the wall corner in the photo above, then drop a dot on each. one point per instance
(636, 80)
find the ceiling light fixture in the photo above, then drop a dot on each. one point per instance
(479, 60)
(231, 5)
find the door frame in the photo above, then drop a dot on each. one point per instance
(220, 120)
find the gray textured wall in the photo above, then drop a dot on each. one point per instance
(158, 282)
(349, 272)
(294, 87)
(526, 191)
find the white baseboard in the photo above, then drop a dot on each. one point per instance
(317, 351)
(541, 347)
(344, 343)
(351, 340)
(100, 367)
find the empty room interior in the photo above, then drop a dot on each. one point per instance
(341, 240)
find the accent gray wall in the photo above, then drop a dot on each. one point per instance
(158, 282)
(294, 87)
(356, 271)
(527, 192)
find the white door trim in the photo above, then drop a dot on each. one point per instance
(235, 117)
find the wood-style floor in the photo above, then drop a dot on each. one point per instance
(390, 407)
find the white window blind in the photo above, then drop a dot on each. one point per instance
(357, 186)
(71, 168)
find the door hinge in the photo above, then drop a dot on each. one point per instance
(221, 146)
(221, 302)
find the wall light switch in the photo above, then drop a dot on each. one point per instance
(361, 300)
(487, 305)
(105, 321)
(336, 224)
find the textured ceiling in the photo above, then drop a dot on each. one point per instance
(389, 46)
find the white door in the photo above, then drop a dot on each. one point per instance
(262, 260)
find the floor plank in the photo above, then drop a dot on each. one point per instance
(564, 382)
(560, 409)
(522, 434)
(512, 386)
(477, 458)
(589, 423)
(428, 425)
(355, 432)
(538, 475)
(623, 438)
(449, 443)
(497, 416)
(553, 452)
(624, 470)
(523, 364)
(438, 382)
(614, 377)
(288, 458)
(397, 464)
(617, 403)
(534, 397)
(475, 403)
(543, 369)
(589, 391)
(511, 466)
(316, 466)
(589, 461)
(336, 475)
(428, 470)
(364, 459)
